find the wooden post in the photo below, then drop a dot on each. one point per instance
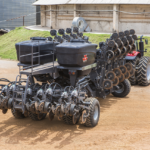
(53, 17)
(50, 16)
(75, 12)
(23, 20)
(115, 18)
(43, 16)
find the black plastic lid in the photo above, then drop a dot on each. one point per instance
(38, 38)
(77, 41)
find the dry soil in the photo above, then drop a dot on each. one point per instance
(124, 125)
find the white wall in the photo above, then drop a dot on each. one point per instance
(141, 23)
(101, 21)
(47, 16)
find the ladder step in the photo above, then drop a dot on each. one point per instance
(19, 92)
(18, 107)
(21, 86)
(23, 78)
(18, 99)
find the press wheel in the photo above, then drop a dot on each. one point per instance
(117, 53)
(116, 81)
(107, 84)
(109, 55)
(127, 75)
(111, 43)
(129, 49)
(128, 66)
(123, 69)
(110, 75)
(115, 35)
(132, 72)
(123, 51)
(122, 78)
(118, 72)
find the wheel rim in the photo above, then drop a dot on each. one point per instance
(96, 113)
(148, 72)
(121, 88)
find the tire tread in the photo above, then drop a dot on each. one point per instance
(142, 71)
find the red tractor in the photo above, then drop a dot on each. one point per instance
(140, 63)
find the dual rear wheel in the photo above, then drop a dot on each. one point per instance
(142, 71)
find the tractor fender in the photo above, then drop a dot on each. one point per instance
(10, 103)
(133, 55)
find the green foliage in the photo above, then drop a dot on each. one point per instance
(96, 38)
(7, 41)
(147, 46)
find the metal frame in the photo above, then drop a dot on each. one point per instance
(29, 70)
(23, 67)
(2, 85)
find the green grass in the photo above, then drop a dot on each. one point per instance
(7, 41)
(147, 46)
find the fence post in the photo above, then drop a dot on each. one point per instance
(23, 20)
(115, 18)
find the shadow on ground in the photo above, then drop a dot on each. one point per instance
(25, 130)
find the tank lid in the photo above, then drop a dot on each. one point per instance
(77, 40)
(37, 38)
(75, 44)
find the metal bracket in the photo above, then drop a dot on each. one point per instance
(79, 68)
(73, 77)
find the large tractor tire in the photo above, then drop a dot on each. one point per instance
(143, 73)
(134, 63)
(37, 117)
(123, 90)
(94, 112)
(17, 114)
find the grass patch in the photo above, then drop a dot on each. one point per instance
(7, 41)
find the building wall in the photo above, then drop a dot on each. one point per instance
(139, 22)
(100, 21)
(65, 18)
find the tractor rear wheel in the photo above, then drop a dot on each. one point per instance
(123, 89)
(134, 63)
(143, 73)
(37, 117)
(94, 112)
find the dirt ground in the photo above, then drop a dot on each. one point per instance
(124, 125)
